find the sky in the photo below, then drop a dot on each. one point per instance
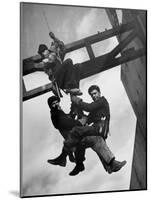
(41, 141)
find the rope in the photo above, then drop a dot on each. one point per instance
(46, 20)
(58, 92)
(56, 85)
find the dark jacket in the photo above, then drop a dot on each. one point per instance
(62, 121)
(96, 109)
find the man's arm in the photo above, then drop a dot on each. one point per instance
(88, 107)
(59, 44)
(39, 66)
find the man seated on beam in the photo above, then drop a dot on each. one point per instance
(63, 72)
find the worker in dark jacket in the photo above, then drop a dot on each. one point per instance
(61, 121)
(98, 117)
(64, 123)
(97, 125)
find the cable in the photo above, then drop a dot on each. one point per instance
(46, 20)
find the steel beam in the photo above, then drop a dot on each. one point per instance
(23, 86)
(111, 12)
(103, 63)
(92, 67)
(112, 15)
(141, 29)
(100, 36)
(28, 64)
(37, 91)
(118, 49)
(90, 51)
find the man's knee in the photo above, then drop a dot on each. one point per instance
(68, 62)
(78, 131)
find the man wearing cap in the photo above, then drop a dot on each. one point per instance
(64, 123)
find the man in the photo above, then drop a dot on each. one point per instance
(97, 126)
(64, 123)
(96, 142)
(99, 115)
(63, 72)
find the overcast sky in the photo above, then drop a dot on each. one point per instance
(40, 139)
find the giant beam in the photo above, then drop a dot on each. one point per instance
(28, 63)
(92, 67)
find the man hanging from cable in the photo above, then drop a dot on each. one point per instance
(93, 134)
(64, 123)
(63, 74)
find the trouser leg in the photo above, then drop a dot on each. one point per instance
(65, 75)
(85, 131)
(102, 150)
(78, 133)
(98, 144)
(79, 158)
(105, 165)
(79, 154)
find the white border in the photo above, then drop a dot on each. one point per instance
(9, 88)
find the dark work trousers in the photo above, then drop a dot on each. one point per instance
(78, 132)
(67, 75)
(79, 154)
(89, 137)
(80, 150)
(64, 123)
(98, 144)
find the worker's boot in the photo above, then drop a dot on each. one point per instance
(78, 168)
(74, 91)
(116, 166)
(60, 160)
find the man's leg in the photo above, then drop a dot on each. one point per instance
(79, 132)
(98, 144)
(79, 158)
(89, 136)
(67, 76)
(61, 159)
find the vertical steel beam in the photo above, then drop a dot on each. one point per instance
(111, 12)
(23, 87)
(90, 51)
(118, 49)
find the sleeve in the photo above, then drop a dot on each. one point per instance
(67, 123)
(39, 66)
(107, 109)
(89, 107)
(62, 49)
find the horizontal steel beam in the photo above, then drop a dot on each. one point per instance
(92, 67)
(103, 63)
(28, 63)
(100, 36)
(38, 91)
